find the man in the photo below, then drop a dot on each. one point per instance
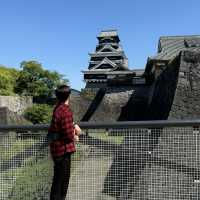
(63, 134)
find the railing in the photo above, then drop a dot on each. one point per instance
(154, 160)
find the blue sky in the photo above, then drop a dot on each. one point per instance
(60, 33)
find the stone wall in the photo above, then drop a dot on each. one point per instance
(16, 103)
(109, 108)
(135, 107)
(186, 103)
(163, 91)
(8, 117)
(79, 105)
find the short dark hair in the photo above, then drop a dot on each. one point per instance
(62, 93)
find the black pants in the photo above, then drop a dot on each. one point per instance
(61, 177)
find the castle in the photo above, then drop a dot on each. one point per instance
(168, 87)
(108, 66)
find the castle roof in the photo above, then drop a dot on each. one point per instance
(108, 72)
(108, 33)
(170, 46)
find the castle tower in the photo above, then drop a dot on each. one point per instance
(108, 65)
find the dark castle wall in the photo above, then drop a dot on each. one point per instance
(186, 104)
(163, 90)
(136, 108)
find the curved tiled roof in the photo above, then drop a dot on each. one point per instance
(170, 46)
(108, 33)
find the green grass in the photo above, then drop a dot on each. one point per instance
(14, 147)
(33, 181)
(104, 136)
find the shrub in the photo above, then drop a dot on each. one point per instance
(38, 113)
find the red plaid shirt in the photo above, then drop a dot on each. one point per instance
(62, 122)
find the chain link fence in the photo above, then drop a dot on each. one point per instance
(118, 161)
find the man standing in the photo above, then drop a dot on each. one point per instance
(62, 136)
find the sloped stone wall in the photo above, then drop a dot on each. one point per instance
(163, 91)
(109, 109)
(79, 106)
(186, 103)
(8, 117)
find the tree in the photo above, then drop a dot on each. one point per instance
(33, 80)
(8, 78)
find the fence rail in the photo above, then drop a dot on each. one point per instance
(152, 160)
(99, 125)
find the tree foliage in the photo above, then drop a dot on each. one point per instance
(38, 113)
(8, 78)
(33, 80)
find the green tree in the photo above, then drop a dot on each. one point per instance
(8, 78)
(33, 80)
(38, 113)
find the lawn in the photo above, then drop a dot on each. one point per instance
(105, 136)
